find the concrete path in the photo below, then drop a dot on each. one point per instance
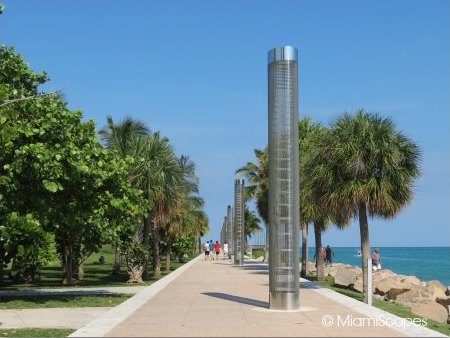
(75, 291)
(72, 318)
(215, 298)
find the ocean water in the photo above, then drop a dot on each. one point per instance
(426, 263)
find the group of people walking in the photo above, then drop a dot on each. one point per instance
(327, 255)
(213, 250)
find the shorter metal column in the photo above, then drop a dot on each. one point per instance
(239, 223)
(230, 230)
(225, 231)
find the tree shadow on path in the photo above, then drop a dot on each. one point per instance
(237, 299)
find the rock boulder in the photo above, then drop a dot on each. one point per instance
(358, 286)
(436, 288)
(380, 275)
(411, 280)
(345, 277)
(445, 302)
(416, 295)
(332, 270)
(431, 310)
(391, 282)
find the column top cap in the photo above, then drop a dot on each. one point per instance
(284, 53)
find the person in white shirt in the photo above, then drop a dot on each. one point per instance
(225, 249)
(206, 246)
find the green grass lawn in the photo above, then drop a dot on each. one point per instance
(393, 308)
(96, 275)
(256, 253)
(35, 332)
(52, 301)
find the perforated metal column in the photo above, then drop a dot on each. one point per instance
(225, 231)
(238, 220)
(283, 179)
(230, 230)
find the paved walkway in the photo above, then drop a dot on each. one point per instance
(71, 318)
(215, 298)
(75, 291)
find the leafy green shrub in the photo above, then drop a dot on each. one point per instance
(27, 245)
(256, 253)
(183, 246)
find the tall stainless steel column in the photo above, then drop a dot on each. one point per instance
(283, 179)
(238, 220)
(230, 230)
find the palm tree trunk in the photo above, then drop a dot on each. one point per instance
(365, 249)
(134, 271)
(156, 258)
(304, 271)
(135, 267)
(318, 226)
(146, 242)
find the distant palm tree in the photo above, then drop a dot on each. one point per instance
(308, 208)
(257, 176)
(367, 167)
(252, 222)
(187, 214)
(159, 176)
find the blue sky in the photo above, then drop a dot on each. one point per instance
(197, 71)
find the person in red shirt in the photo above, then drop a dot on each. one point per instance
(217, 249)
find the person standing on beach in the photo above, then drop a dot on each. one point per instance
(206, 246)
(329, 254)
(376, 261)
(217, 249)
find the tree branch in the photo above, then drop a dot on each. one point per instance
(8, 102)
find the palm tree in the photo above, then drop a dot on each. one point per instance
(367, 168)
(188, 213)
(257, 176)
(201, 228)
(200, 224)
(252, 224)
(311, 137)
(160, 176)
(121, 137)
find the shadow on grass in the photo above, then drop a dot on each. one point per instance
(237, 299)
(96, 275)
